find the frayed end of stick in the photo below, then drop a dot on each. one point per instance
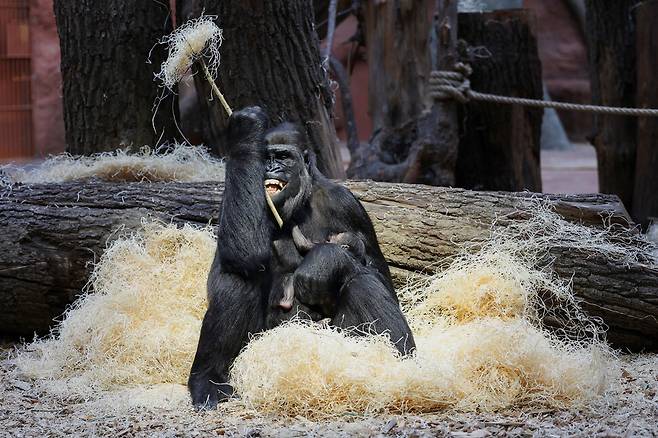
(193, 40)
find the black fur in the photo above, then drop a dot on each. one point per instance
(255, 259)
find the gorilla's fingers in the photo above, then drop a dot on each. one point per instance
(301, 242)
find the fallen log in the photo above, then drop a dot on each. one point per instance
(52, 232)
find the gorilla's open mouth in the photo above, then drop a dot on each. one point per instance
(274, 186)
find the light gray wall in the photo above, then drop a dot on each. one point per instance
(488, 5)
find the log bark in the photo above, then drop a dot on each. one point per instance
(611, 43)
(645, 200)
(271, 58)
(500, 144)
(52, 232)
(109, 92)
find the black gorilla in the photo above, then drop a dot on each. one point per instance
(255, 259)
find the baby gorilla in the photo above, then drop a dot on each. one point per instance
(322, 301)
(333, 278)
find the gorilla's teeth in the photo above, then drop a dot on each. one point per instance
(274, 183)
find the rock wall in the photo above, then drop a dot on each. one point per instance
(47, 110)
(563, 52)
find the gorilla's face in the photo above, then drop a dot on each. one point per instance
(284, 167)
(287, 179)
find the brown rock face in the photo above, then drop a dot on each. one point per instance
(47, 112)
(563, 52)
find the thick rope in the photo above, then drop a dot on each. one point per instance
(454, 85)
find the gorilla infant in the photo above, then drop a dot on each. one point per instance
(255, 259)
(350, 242)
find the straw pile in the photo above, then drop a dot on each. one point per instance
(178, 162)
(139, 320)
(478, 327)
(480, 338)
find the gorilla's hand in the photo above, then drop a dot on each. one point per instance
(246, 131)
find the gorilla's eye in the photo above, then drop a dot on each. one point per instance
(282, 156)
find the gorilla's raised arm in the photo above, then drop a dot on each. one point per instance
(245, 228)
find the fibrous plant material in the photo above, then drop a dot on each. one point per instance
(189, 43)
(481, 346)
(197, 41)
(179, 162)
(137, 324)
(482, 343)
(652, 235)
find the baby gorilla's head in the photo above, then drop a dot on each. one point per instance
(351, 242)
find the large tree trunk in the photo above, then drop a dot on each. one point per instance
(51, 232)
(109, 90)
(645, 197)
(271, 58)
(500, 144)
(611, 41)
(415, 140)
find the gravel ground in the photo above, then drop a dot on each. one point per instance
(631, 412)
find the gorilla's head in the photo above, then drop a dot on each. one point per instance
(287, 179)
(351, 242)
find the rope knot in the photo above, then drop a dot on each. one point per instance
(451, 84)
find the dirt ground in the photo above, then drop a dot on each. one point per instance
(632, 411)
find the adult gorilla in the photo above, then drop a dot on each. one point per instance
(255, 259)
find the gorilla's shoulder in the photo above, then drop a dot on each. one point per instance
(341, 208)
(337, 193)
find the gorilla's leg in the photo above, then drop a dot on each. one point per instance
(236, 312)
(366, 304)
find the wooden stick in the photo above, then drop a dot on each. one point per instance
(273, 209)
(214, 87)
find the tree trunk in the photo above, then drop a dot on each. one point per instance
(415, 140)
(321, 12)
(500, 144)
(438, 126)
(109, 92)
(611, 41)
(51, 232)
(397, 38)
(645, 202)
(271, 58)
